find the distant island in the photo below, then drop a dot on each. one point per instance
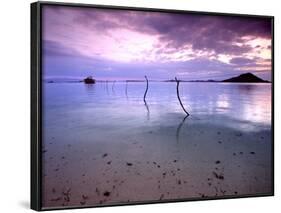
(246, 78)
(243, 78)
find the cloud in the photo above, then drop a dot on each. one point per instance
(56, 49)
(158, 40)
(242, 61)
(203, 32)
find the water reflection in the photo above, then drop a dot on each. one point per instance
(147, 109)
(90, 87)
(209, 102)
(246, 102)
(126, 89)
(179, 128)
(246, 88)
(222, 101)
(106, 86)
(113, 87)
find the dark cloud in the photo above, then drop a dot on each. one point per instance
(214, 33)
(211, 33)
(204, 32)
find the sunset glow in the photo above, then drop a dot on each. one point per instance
(129, 44)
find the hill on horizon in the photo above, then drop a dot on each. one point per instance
(246, 77)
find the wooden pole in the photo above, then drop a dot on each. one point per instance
(145, 90)
(178, 83)
(126, 90)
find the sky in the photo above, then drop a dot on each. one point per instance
(124, 45)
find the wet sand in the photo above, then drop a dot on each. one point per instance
(194, 159)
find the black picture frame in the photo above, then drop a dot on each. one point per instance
(36, 100)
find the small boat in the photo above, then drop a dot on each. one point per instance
(89, 80)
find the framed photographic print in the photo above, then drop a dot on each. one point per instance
(137, 105)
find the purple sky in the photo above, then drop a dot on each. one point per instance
(121, 44)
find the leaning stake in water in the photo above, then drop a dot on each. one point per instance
(145, 90)
(178, 83)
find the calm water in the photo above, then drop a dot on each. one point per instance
(96, 134)
(98, 105)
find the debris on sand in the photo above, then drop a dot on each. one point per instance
(104, 155)
(83, 202)
(106, 193)
(109, 162)
(179, 182)
(129, 164)
(67, 198)
(223, 191)
(218, 176)
(202, 195)
(252, 153)
(85, 197)
(97, 191)
(66, 194)
(56, 199)
(218, 162)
